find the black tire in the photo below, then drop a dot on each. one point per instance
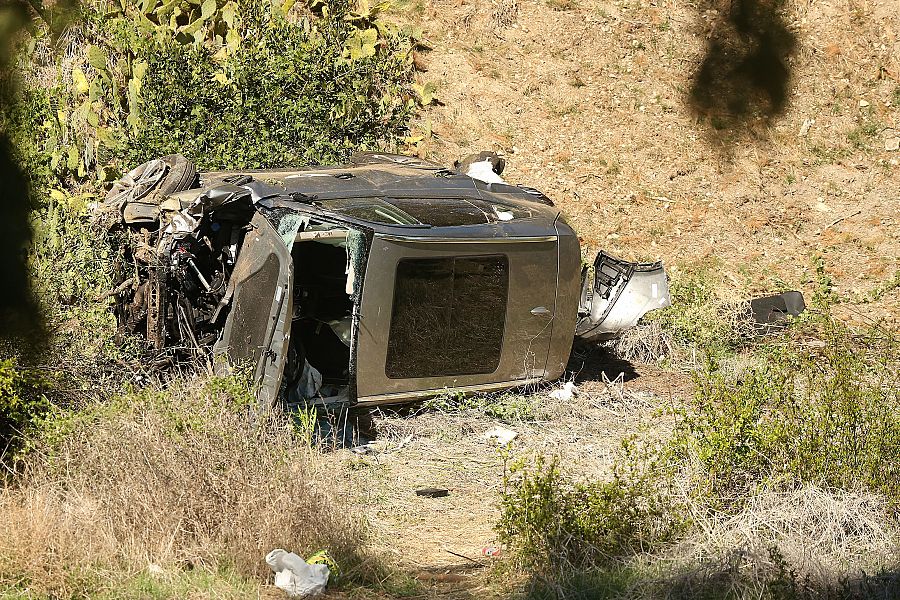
(180, 174)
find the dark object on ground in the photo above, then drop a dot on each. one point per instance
(433, 492)
(773, 312)
(380, 281)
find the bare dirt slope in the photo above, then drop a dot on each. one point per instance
(587, 98)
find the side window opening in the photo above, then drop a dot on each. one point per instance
(448, 316)
(325, 291)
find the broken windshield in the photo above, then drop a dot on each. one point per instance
(442, 212)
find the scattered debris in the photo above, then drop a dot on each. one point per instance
(568, 391)
(491, 551)
(296, 576)
(502, 435)
(773, 312)
(463, 556)
(484, 166)
(433, 492)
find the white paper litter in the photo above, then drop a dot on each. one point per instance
(501, 434)
(568, 391)
(295, 576)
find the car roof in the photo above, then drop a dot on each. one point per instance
(385, 175)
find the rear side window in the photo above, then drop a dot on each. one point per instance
(448, 316)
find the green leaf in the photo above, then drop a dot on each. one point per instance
(97, 58)
(208, 9)
(79, 80)
(228, 13)
(72, 158)
(139, 69)
(361, 44)
(425, 92)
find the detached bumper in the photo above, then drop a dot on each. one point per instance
(618, 295)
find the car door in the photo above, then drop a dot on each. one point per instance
(257, 329)
(454, 313)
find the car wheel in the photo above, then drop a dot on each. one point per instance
(169, 174)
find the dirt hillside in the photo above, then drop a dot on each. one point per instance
(587, 99)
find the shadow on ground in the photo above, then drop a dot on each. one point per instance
(596, 363)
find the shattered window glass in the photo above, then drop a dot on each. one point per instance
(287, 222)
(440, 212)
(448, 316)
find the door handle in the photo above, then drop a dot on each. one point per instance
(541, 311)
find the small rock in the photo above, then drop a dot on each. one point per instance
(863, 104)
(892, 144)
(804, 128)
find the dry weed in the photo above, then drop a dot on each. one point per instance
(180, 478)
(820, 536)
(647, 343)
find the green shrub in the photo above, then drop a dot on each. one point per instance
(22, 403)
(561, 526)
(821, 411)
(508, 407)
(818, 406)
(285, 96)
(699, 319)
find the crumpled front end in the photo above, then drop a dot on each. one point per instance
(617, 294)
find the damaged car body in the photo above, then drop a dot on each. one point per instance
(383, 280)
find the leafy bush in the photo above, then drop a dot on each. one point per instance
(821, 411)
(560, 526)
(817, 407)
(508, 407)
(22, 403)
(286, 95)
(237, 84)
(700, 319)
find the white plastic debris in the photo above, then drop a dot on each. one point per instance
(501, 434)
(483, 170)
(568, 391)
(295, 576)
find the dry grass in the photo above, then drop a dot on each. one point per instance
(181, 478)
(646, 343)
(818, 538)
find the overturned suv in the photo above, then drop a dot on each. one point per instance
(382, 280)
